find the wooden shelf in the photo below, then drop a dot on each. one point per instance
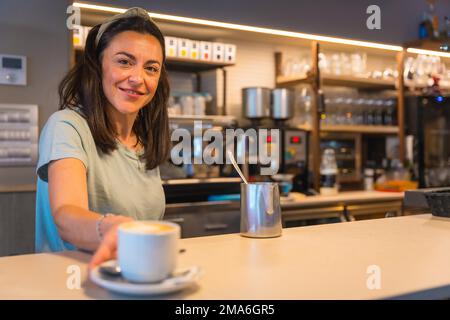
(358, 82)
(213, 120)
(192, 65)
(360, 129)
(343, 81)
(352, 128)
(306, 127)
(410, 86)
(286, 81)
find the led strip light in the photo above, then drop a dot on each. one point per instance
(241, 27)
(429, 52)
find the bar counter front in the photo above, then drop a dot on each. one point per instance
(410, 256)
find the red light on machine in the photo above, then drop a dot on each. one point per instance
(269, 139)
(296, 139)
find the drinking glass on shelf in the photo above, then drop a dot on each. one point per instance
(187, 104)
(346, 67)
(378, 112)
(347, 106)
(305, 66)
(421, 75)
(308, 106)
(330, 104)
(388, 73)
(369, 112)
(287, 67)
(409, 70)
(336, 67)
(340, 110)
(358, 63)
(324, 64)
(297, 67)
(304, 102)
(358, 114)
(390, 112)
(173, 107)
(377, 74)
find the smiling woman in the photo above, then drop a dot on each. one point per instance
(99, 155)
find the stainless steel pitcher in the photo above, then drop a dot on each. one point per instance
(260, 210)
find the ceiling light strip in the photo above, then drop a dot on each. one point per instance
(428, 52)
(248, 28)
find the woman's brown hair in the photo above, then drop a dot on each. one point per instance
(81, 90)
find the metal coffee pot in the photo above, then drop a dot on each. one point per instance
(260, 210)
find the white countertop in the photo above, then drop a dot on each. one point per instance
(346, 197)
(317, 262)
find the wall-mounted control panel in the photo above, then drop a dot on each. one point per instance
(13, 70)
(18, 135)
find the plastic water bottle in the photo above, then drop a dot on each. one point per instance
(328, 173)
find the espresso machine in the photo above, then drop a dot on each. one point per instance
(271, 109)
(197, 181)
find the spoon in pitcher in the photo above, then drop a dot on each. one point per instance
(233, 161)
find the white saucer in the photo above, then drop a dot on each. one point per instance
(181, 279)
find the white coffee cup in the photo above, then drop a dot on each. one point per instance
(148, 250)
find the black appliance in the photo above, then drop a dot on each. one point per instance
(427, 120)
(293, 151)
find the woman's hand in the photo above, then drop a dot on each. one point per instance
(107, 249)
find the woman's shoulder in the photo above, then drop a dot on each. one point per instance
(66, 122)
(67, 115)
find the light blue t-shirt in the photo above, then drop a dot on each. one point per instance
(117, 183)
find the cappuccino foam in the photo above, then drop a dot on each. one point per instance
(149, 227)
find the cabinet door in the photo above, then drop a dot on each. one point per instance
(17, 220)
(374, 210)
(190, 223)
(221, 222)
(206, 224)
(312, 216)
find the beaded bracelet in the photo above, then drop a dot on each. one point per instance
(99, 223)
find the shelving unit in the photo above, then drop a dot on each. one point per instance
(357, 82)
(288, 81)
(226, 121)
(334, 80)
(316, 79)
(191, 65)
(360, 129)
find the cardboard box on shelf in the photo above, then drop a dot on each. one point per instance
(218, 52)
(194, 53)
(171, 46)
(183, 47)
(230, 53)
(78, 36)
(205, 50)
